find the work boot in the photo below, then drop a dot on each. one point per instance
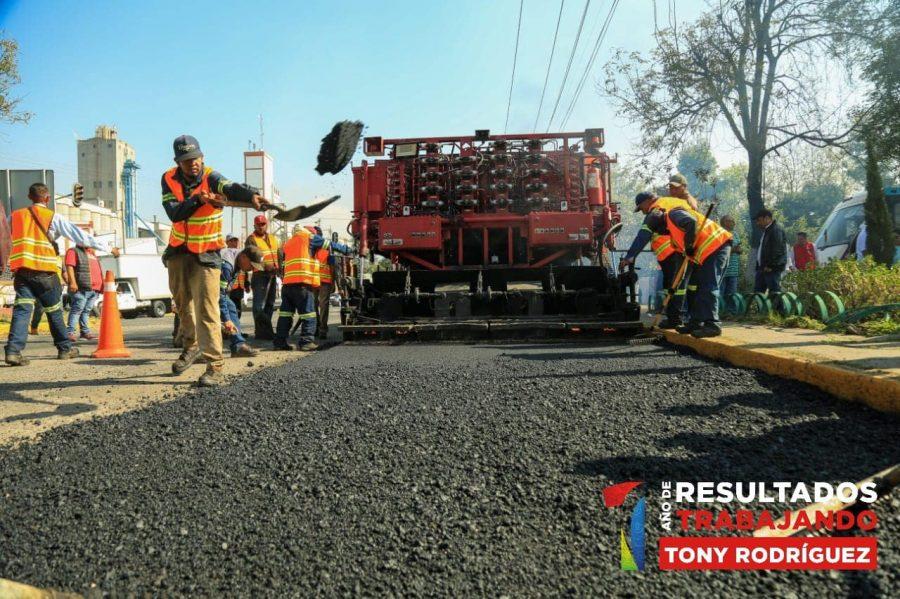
(71, 337)
(686, 328)
(17, 360)
(670, 324)
(185, 360)
(34, 331)
(309, 346)
(285, 347)
(212, 378)
(708, 329)
(88, 335)
(244, 351)
(68, 354)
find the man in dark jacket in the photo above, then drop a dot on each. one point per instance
(771, 256)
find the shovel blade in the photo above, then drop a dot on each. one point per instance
(301, 212)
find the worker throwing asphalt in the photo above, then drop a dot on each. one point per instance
(263, 281)
(34, 260)
(301, 283)
(707, 247)
(192, 198)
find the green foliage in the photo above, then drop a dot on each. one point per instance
(858, 284)
(875, 328)
(882, 113)
(698, 165)
(880, 234)
(9, 78)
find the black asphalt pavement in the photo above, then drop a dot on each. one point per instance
(447, 470)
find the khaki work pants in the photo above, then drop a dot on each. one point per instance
(323, 303)
(195, 291)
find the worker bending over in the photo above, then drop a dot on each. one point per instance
(661, 244)
(245, 260)
(263, 279)
(34, 260)
(192, 195)
(301, 282)
(707, 249)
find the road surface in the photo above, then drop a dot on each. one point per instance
(426, 470)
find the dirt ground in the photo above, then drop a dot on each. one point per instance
(49, 393)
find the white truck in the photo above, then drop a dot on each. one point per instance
(842, 225)
(143, 284)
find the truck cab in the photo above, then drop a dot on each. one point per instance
(842, 226)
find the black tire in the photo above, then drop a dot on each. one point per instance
(158, 309)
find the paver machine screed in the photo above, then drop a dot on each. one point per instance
(486, 236)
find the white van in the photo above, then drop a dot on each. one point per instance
(842, 225)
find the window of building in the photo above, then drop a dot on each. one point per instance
(109, 184)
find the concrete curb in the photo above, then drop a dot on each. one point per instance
(878, 392)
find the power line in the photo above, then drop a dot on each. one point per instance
(549, 64)
(562, 87)
(587, 69)
(515, 58)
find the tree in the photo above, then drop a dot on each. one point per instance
(9, 78)
(881, 113)
(753, 65)
(879, 232)
(698, 165)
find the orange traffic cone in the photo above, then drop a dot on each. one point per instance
(111, 344)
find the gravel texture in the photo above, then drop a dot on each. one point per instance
(426, 470)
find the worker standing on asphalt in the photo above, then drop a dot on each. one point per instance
(34, 258)
(301, 281)
(192, 197)
(678, 189)
(263, 282)
(326, 260)
(244, 260)
(85, 280)
(661, 244)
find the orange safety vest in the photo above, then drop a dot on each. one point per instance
(268, 245)
(203, 230)
(661, 244)
(325, 275)
(299, 265)
(706, 241)
(30, 247)
(662, 247)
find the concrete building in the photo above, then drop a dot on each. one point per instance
(259, 171)
(100, 163)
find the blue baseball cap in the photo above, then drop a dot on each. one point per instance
(186, 148)
(641, 198)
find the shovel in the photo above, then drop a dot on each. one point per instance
(288, 214)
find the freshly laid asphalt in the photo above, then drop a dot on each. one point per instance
(447, 470)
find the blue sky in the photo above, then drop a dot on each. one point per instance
(406, 68)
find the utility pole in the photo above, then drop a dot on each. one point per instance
(262, 145)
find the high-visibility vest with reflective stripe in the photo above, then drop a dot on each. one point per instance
(241, 280)
(661, 246)
(30, 247)
(299, 265)
(202, 232)
(706, 241)
(268, 245)
(669, 203)
(325, 275)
